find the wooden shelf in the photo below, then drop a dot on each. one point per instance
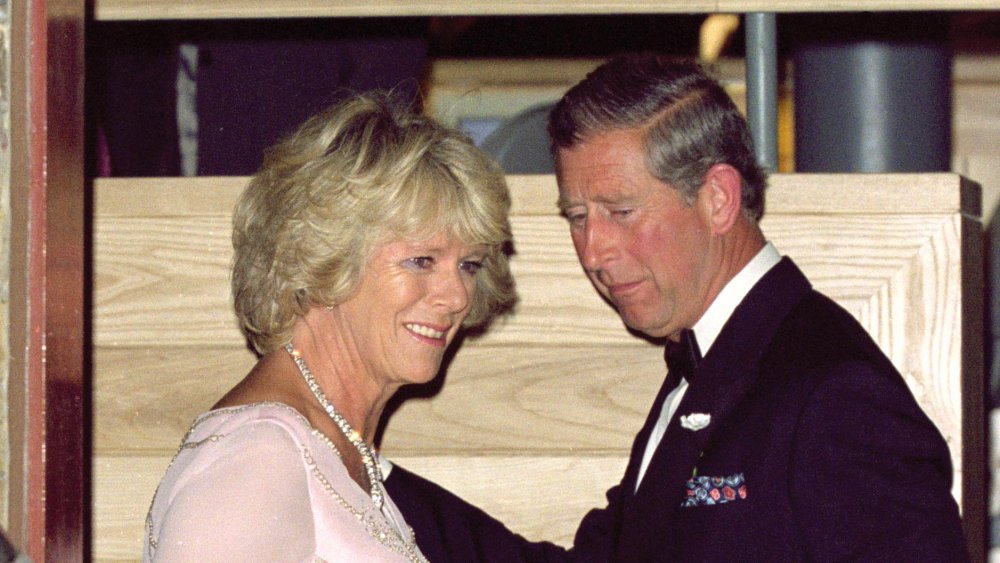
(245, 9)
(902, 252)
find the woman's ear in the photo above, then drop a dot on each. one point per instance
(725, 191)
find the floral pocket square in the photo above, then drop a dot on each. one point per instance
(705, 490)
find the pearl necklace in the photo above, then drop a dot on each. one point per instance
(371, 466)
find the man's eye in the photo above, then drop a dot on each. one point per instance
(470, 266)
(621, 212)
(576, 218)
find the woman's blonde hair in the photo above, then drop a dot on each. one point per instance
(361, 172)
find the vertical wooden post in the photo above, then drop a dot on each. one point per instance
(49, 391)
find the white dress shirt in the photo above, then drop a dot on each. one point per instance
(706, 330)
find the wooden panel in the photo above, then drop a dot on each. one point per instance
(124, 486)
(985, 169)
(210, 9)
(456, 73)
(161, 292)
(49, 477)
(870, 194)
(870, 264)
(215, 196)
(742, 6)
(536, 195)
(154, 275)
(164, 278)
(492, 88)
(975, 475)
(491, 399)
(886, 247)
(976, 146)
(123, 490)
(976, 118)
(873, 265)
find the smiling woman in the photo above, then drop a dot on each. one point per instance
(347, 181)
(369, 238)
(423, 291)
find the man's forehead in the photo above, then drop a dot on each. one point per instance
(598, 192)
(607, 184)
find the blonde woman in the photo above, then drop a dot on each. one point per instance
(366, 242)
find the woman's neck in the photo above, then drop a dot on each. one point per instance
(341, 372)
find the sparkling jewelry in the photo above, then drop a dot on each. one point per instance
(371, 465)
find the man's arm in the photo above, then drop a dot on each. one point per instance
(449, 529)
(871, 474)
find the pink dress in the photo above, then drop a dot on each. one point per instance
(258, 483)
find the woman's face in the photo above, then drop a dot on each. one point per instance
(411, 301)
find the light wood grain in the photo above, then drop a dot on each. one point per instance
(165, 280)
(985, 169)
(975, 68)
(162, 256)
(976, 118)
(214, 196)
(214, 9)
(976, 126)
(558, 389)
(870, 194)
(161, 281)
(460, 73)
(167, 197)
(456, 73)
(124, 487)
(743, 6)
(490, 400)
(536, 195)
(872, 265)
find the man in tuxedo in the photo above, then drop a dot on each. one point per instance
(781, 432)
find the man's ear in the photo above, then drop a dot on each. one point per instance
(724, 187)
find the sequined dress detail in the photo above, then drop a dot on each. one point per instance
(258, 483)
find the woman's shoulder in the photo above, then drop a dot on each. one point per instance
(234, 440)
(236, 464)
(248, 421)
(248, 414)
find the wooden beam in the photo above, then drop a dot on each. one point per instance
(901, 252)
(245, 9)
(49, 467)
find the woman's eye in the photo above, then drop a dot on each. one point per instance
(470, 266)
(421, 262)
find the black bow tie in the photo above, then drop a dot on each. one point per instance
(683, 356)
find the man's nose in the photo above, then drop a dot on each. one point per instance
(597, 245)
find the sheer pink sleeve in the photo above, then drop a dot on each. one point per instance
(242, 497)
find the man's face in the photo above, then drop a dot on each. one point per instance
(642, 247)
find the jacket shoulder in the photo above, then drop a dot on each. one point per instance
(818, 335)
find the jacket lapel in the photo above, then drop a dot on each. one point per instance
(642, 438)
(724, 377)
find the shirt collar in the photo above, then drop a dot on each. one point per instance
(707, 329)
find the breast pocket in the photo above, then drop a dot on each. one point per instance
(713, 490)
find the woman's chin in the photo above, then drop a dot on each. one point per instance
(418, 378)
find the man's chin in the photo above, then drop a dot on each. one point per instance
(645, 326)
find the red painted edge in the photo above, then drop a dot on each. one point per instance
(37, 104)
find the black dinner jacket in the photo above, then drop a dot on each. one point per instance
(837, 459)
